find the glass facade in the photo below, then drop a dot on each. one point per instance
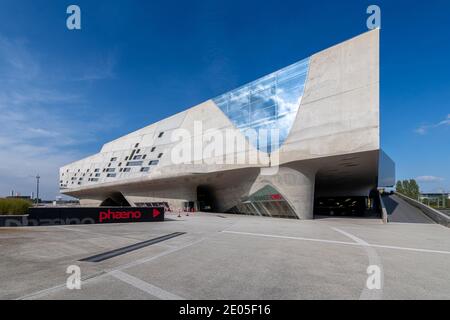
(266, 202)
(270, 102)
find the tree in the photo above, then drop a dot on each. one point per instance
(414, 189)
(409, 188)
(399, 187)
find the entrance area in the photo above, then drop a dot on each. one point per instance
(115, 199)
(267, 202)
(205, 199)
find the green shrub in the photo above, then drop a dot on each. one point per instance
(14, 206)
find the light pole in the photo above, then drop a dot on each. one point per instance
(37, 188)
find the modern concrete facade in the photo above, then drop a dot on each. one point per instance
(326, 113)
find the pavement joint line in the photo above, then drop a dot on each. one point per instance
(339, 242)
(144, 286)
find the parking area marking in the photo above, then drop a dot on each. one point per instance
(374, 260)
(144, 286)
(340, 242)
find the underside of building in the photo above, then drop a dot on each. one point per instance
(322, 155)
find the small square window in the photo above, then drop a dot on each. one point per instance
(160, 134)
(136, 145)
(153, 149)
(145, 169)
(160, 155)
(138, 150)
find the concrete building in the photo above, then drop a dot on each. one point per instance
(322, 114)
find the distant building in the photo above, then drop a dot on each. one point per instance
(20, 197)
(434, 195)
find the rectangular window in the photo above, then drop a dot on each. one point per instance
(97, 174)
(126, 169)
(94, 179)
(138, 157)
(96, 170)
(145, 169)
(113, 159)
(111, 175)
(110, 169)
(134, 163)
(153, 162)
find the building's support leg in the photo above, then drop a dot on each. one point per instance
(295, 185)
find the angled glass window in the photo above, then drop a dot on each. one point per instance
(266, 202)
(268, 103)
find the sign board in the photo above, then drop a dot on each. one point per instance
(80, 215)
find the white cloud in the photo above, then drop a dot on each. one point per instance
(422, 130)
(427, 179)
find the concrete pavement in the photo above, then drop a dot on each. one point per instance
(229, 257)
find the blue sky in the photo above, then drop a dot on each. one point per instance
(65, 93)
